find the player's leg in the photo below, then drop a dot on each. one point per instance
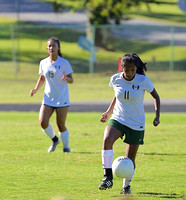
(61, 115)
(110, 136)
(131, 151)
(44, 116)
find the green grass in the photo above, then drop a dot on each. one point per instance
(168, 13)
(33, 46)
(7, 20)
(29, 172)
(85, 87)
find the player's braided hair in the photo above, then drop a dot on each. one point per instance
(134, 59)
(55, 39)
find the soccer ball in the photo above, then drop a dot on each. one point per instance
(123, 167)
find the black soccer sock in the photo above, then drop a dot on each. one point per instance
(108, 173)
(55, 139)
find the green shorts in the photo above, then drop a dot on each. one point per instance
(131, 136)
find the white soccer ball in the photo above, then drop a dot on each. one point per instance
(123, 167)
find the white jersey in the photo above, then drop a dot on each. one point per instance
(56, 91)
(129, 95)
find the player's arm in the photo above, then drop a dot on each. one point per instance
(109, 111)
(39, 84)
(156, 106)
(68, 78)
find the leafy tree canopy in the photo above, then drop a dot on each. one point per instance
(102, 11)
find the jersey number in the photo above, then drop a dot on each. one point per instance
(51, 74)
(126, 95)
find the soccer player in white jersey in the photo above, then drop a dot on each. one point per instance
(128, 116)
(56, 73)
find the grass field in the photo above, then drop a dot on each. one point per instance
(32, 48)
(85, 87)
(160, 12)
(28, 172)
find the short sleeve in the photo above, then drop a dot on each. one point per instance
(112, 81)
(68, 68)
(41, 69)
(148, 85)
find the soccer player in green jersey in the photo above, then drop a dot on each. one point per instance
(128, 116)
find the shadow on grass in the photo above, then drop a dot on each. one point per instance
(163, 195)
(141, 195)
(84, 152)
(163, 154)
(125, 197)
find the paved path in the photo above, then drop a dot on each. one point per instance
(168, 105)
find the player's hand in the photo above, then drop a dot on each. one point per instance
(104, 117)
(65, 78)
(156, 121)
(32, 92)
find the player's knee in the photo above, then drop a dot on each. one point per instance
(108, 142)
(43, 124)
(61, 127)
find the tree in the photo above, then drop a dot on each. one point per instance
(102, 12)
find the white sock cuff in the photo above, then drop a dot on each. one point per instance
(65, 138)
(64, 133)
(107, 152)
(49, 131)
(107, 157)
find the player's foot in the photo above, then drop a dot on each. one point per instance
(126, 190)
(66, 150)
(54, 145)
(106, 184)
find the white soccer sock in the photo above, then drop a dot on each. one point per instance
(107, 157)
(49, 131)
(65, 138)
(127, 181)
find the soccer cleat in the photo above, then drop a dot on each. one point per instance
(126, 190)
(106, 184)
(66, 150)
(53, 146)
